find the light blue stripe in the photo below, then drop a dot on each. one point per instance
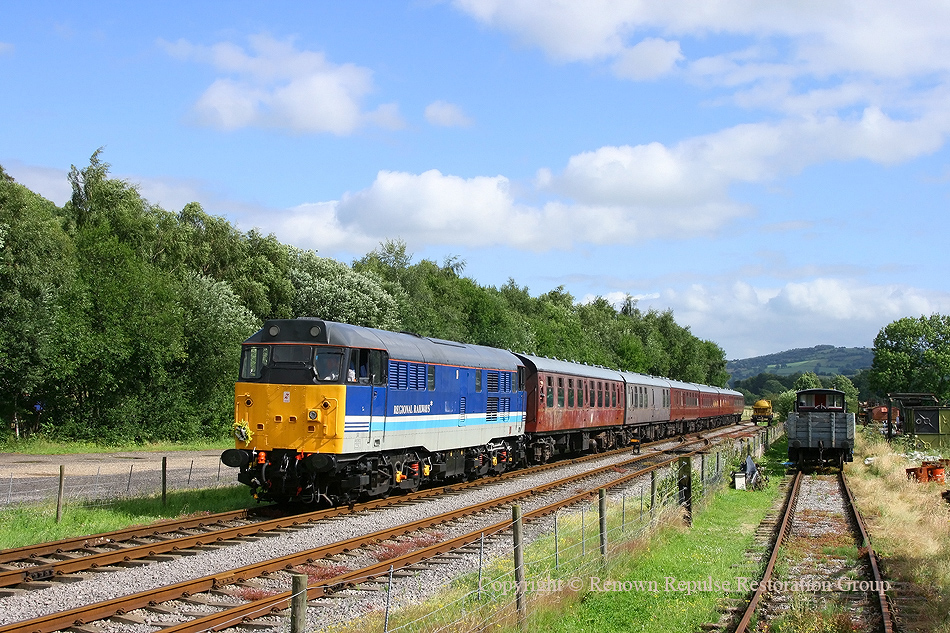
(413, 424)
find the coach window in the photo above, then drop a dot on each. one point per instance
(550, 392)
(613, 396)
(570, 393)
(560, 392)
(581, 386)
(600, 394)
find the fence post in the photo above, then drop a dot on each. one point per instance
(298, 603)
(602, 511)
(652, 491)
(481, 557)
(556, 552)
(685, 481)
(623, 513)
(519, 565)
(389, 593)
(59, 495)
(128, 489)
(583, 531)
(164, 481)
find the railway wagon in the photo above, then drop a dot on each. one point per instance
(820, 430)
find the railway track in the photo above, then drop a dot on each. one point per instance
(828, 570)
(34, 566)
(230, 614)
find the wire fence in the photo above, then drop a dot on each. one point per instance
(567, 553)
(103, 484)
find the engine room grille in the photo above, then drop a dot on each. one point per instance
(493, 381)
(491, 411)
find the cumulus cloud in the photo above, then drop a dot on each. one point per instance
(749, 320)
(273, 84)
(767, 47)
(649, 59)
(446, 114)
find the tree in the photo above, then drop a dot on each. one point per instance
(808, 380)
(843, 383)
(912, 355)
(784, 404)
(36, 265)
(331, 290)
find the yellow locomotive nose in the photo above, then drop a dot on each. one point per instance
(305, 418)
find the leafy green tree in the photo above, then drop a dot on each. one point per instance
(36, 265)
(773, 387)
(784, 404)
(215, 322)
(843, 383)
(332, 290)
(912, 355)
(808, 380)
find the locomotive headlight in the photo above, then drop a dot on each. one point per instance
(312, 415)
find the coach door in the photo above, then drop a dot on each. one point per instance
(378, 365)
(366, 379)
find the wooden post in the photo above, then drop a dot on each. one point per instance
(298, 603)
(519, 565)
(128, 488)
(389, 594)
(164, 481)
(59, 495)
(481, 558)
(602, 511)
(652, 491)
(685, 481)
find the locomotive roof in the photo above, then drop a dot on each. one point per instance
(400, 345)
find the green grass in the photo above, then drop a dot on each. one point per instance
(37, 524)
(39, 445)
(713, 548)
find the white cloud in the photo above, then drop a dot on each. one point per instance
(276, 85)
(446, 114)
(747, 320)
(52, 184)
(649, 59)
(861, 51)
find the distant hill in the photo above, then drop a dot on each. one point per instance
(824, 360)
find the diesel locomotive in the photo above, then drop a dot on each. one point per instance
(329, 413)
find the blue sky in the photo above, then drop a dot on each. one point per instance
(775, 173)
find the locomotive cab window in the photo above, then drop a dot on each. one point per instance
(327, 363)
(253, 360)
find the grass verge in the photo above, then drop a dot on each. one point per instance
(909, 526)
(39, 445)
(27, 525)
